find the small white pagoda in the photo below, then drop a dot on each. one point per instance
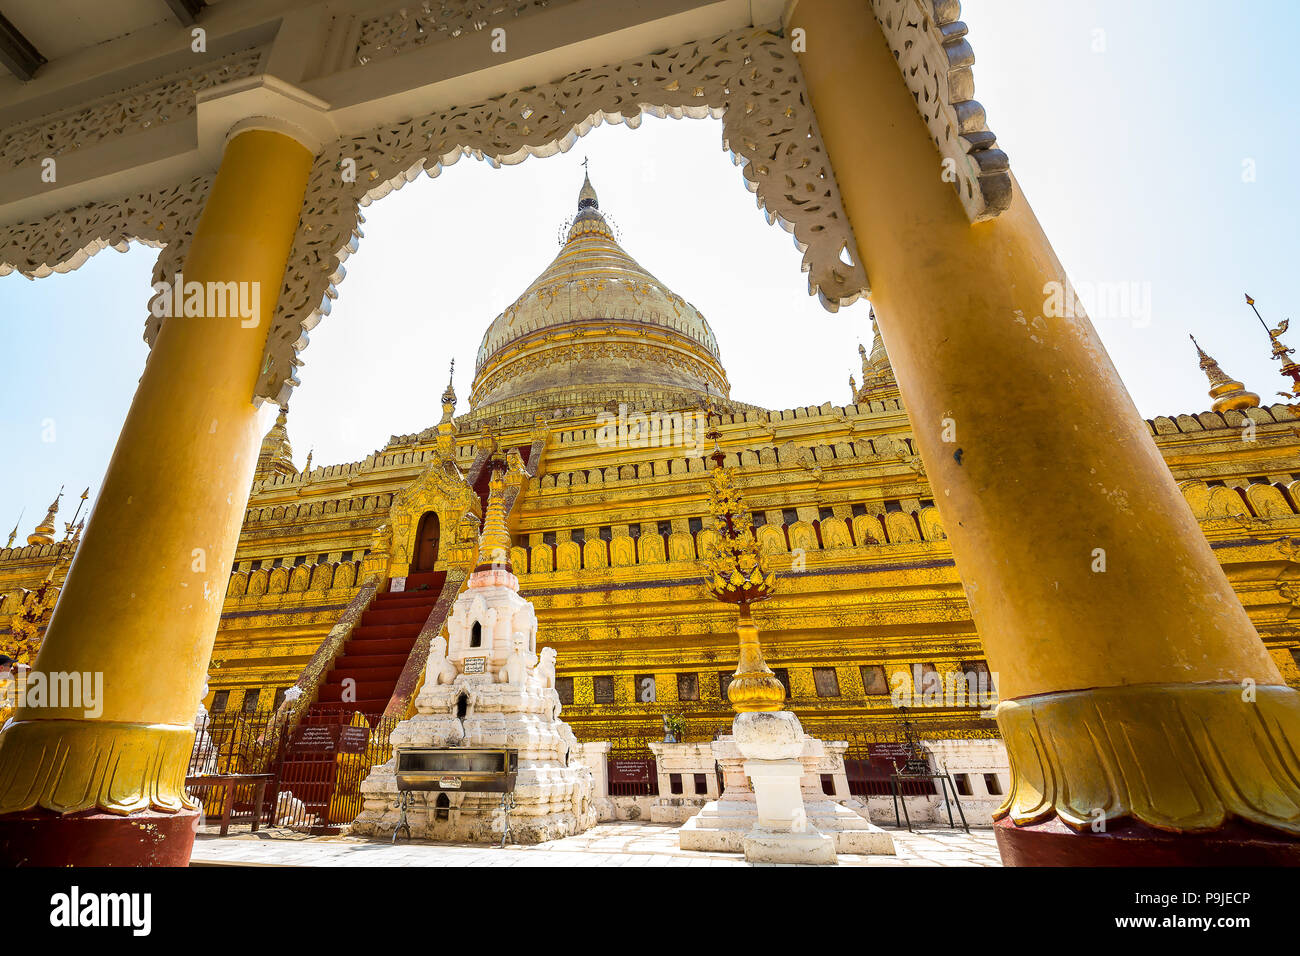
(485, 686)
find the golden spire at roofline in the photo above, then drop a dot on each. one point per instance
(44, 532)
(14, 533)
(1228, 394)
(449, 393)
(494, 542)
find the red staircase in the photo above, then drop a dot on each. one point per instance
(378, 648)
(373, 656)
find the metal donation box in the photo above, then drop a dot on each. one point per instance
(457, 769)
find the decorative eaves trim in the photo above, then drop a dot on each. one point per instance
(929, 43)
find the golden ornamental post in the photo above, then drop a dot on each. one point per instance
(738, 575)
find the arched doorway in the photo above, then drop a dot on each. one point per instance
(426, 544)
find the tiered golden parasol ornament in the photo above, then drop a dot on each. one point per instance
(737, 574)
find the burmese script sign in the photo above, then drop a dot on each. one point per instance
(317, 738)
(630, 771)
(353, 740)
(475, 665)
(892, 753)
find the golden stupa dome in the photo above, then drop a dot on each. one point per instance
(595, 328)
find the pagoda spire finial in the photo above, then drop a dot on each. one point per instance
(449, 393)
(1228, 394)
(587, 198)
(494, 542)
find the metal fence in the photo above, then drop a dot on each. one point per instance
(307, 780)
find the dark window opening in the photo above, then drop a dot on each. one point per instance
(462, 706)
(859, 510)
(277, 563)
(828, 784)
(962, 782)
(783, 676)
(602, 690)
(564, 687)
(645, 688)
(665, 528)
(219, 701)
(826, 682)
(279, 697)
(634, 531)
(688, 686)
(993, 785)
(250, 701)
(874, 681)
(892, 506)
(724, 681)
(548, 538)
(824, 513)
(256, 565)
(300, 559)
(442, 808)
(605, 533)
(346, 556)
(674, 783)
(578, 535)
(789, 516)
(758, 519)
(701, 784)
(322, 558)
(695, 525)
(476, 635)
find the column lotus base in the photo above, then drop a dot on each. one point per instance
(1153, 774)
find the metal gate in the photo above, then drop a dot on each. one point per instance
(309, 780)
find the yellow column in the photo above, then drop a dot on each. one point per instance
(142, 599)
(1143, 694)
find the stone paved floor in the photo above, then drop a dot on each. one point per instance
(608, 844)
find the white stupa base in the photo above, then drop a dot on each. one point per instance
(553, 791)
(808, 848)
(788, 808)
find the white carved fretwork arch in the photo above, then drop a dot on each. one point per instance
(749, 78)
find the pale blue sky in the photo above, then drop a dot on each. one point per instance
(1129, 142)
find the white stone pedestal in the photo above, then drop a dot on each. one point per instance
(786, 760)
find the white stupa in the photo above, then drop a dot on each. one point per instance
(486, 687)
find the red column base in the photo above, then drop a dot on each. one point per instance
(147, 838)
(1129, 843)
